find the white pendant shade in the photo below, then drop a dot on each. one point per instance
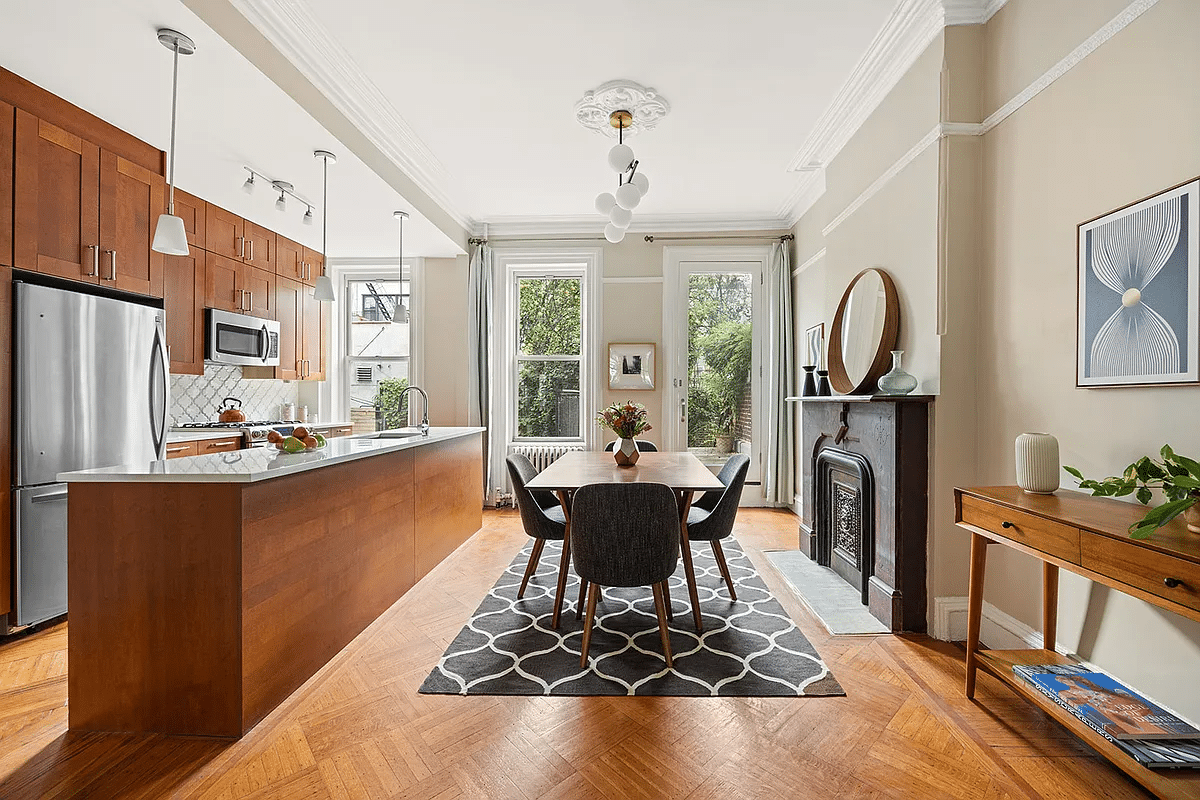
(628, 196)
(621, 217)
(605, 202)
(620, 157)
(640, 180)
(613, 233)
(324, 289)
(169, 236)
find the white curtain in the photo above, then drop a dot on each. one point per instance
(479, 348)
(779, 466)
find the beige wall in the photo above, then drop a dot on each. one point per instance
(1121, 125)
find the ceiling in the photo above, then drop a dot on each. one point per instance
(105, 58)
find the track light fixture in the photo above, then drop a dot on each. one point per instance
(283, 187)
(308, 216)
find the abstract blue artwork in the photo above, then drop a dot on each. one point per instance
(1139, 292)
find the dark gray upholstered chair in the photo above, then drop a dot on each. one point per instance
(541, 514)
(625, 534)
(715, 522)
(642, 445)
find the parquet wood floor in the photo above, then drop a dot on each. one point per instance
(358, 729)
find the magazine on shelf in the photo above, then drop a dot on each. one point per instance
(1057, 681)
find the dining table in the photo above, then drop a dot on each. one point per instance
(683, 472)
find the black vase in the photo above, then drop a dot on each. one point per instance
(823, 383)
(810, 384)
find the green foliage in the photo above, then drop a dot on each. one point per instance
(727, 348)
(549, 323)
(395, 410)
(550, 314)
(719, 354)
(1177, 476)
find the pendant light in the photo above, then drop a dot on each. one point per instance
(400, 309)
(324, 288)
(169, 235)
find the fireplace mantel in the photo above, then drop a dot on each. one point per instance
(891, 433)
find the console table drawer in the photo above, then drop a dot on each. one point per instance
(1041, 534)
(1143, 568)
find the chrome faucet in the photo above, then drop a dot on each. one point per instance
(424, 426)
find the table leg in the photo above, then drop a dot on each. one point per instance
(685, 549)
(1049, 604)
(975, 606)
(565, 562)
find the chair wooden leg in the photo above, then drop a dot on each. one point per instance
(719, 554)
(538, 544)
(593, 592)
(563, 565)
(666, 590)
(659, 590)
(583, 588)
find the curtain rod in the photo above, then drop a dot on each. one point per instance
(787, 237)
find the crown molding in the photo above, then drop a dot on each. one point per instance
(593, 224)
(297, 34)
(809, 189)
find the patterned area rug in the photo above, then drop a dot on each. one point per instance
(748, 648)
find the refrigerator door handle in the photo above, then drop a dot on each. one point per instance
(159, 388)
(46, 498)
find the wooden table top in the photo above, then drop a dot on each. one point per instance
(680, 471)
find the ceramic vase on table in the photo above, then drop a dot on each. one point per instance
(897, 381)
(626, 453)
(1037, 463)
(810, 384)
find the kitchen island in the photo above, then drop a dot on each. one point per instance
(203, 591)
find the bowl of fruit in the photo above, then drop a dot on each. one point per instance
(301, 441)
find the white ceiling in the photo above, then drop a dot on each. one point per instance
(489, 88)
(105, 58)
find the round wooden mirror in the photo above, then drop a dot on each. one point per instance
(864, 332)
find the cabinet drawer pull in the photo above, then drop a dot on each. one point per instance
(112, 264)
(1007, 524)
(1173, 583)
(211, 445)
(178, 449)
(95, 248)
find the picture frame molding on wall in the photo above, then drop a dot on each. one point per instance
(631, 366)
(1181, 263)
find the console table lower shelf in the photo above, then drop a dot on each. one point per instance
(1087, 536)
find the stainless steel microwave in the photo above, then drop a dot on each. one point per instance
(240, 339)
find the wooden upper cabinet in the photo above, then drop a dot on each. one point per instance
(260, 291)
(131, 200)
(289, 311)
(7, 121)
(260, 246)
(223, 232)
(316, 337)
(190, 209)
(56, 181)
(222, 281)
(183, 303)
(315, 264)
(289, 259)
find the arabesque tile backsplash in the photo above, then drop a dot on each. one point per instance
(195, 398)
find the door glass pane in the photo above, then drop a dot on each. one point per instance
(720, 336)
(548, 399)
(549, 316)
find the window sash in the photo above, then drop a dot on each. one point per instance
(519, 356)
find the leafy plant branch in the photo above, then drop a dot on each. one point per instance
(1177, 476)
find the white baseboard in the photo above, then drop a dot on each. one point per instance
(997, 630)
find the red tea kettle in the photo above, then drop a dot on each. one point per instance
(231, 413)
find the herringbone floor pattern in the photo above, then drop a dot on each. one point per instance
(359, 729)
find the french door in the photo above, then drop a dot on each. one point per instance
(713, 312)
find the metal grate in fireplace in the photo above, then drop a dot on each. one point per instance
(844, 515)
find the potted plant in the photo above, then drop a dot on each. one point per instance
(626, 420)
(1177, 476)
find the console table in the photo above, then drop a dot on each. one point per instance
(1088, 536)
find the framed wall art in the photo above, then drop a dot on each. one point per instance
(1139, 292)
(630, 366)
(814, 346)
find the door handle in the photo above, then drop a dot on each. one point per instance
(251, 296)
(251, 243)
(241, 243)
(112, 264)
(241, 299)
(683, 409)
(264, 342)
(46, 498)
(95, 248)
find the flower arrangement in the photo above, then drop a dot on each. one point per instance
(626, 419)
(1177, 476)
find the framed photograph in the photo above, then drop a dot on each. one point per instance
(814, 346)
(1139, 292)
(630, 366)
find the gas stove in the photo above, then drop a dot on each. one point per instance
(254, 432)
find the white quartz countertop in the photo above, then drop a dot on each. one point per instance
(260, 463)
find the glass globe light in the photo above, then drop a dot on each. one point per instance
(628, 196)
(604, 202)
(613, 233)
(621, 217)
(640, 180)
(620, 157)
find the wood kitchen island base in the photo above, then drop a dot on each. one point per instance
(197, 607)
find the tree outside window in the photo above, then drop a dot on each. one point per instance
(549, 324)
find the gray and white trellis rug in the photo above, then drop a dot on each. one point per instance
(749, 647)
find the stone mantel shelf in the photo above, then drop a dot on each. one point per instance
(864, 398)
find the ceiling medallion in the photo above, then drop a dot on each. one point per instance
(645, 108)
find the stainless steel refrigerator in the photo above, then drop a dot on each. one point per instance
(90, 383)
